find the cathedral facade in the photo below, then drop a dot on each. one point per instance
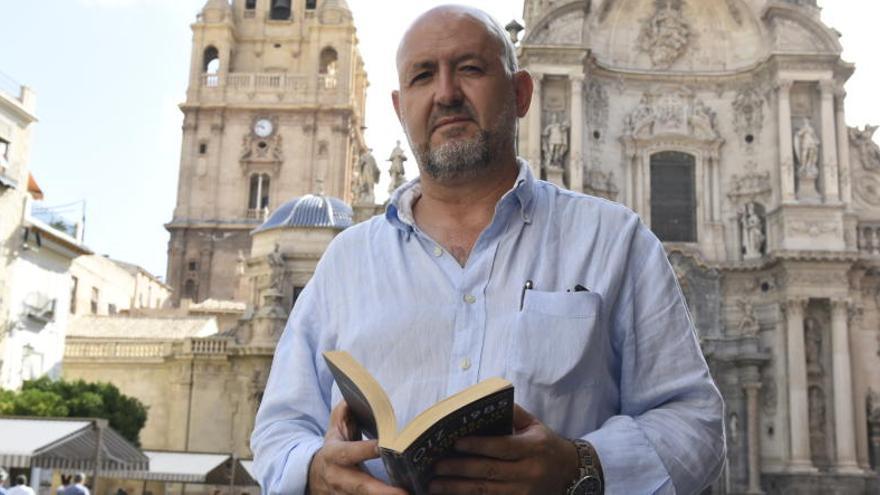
(722, 124)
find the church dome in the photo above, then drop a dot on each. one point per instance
(311, 210)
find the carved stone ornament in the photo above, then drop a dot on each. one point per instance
(566, 29)
(671, 113)
(396, 170)
(868, 190)
(262, 150)
(753, 231)
(806, 150)
(751, 186)
(665, 35)
(366, 178)
(554, 142)
(748, 111)
(813, 228)
(748, 324)
(866, 149)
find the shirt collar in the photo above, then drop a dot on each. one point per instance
(399, 210)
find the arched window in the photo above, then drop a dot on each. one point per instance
(280, 10)
(258, 199)
(189, 290)
(211, 66)
(328, 61)
(673, 197)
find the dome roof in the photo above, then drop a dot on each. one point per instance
(310, 211)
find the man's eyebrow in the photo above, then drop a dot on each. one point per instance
(431, 64)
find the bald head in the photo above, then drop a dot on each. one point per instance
(492, 28)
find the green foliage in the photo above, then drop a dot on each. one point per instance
(77, 399)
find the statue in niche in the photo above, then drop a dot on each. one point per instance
(748, 325)
(555, 142)
(733, 428)
(806, 149)
(753, 235)
(813, 345)
(276, 267)
(396, 170)
(367, 178)
(641, 116)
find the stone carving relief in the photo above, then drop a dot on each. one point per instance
(733, 428)
(748, 323)
(813, 345)
(598, 183)
(666, 34)
(790, 36)
(818, 417)
(366, 178)
(753, 231)
(554, 142)
(671, 113)
(396, 170)
(275, 261)
(868, 190)
(748, 111)
(865, 147)
(750, 186)
(806, 150)
(564, 30)
(256, 149)
(812, 228)
(597, 105)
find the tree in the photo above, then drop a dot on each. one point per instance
(77, 399)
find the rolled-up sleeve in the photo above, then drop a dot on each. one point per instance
(669, 435)
(294, 411)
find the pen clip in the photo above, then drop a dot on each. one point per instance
(522, 296)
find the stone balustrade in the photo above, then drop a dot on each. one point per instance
(114, 350)
(291, 87)
(869, 237)
(208, 345)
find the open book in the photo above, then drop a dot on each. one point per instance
(410, 453)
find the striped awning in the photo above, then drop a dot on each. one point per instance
(65, 443)
(189, 467)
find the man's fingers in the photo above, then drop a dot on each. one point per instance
(504, 448)
(522, 418)
(478, 468)
(346, 453)
(348, 480)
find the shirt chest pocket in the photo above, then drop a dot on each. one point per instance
(552, 337)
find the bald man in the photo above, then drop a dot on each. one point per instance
(476, 270)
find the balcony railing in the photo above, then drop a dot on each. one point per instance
(291, 87)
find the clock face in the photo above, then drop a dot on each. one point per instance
(263, 128)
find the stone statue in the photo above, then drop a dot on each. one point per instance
(367, 178)
(813, 345)
(733, 428)
(748, 325)
(866, 148)
(806, 149)
(818, 439)
(752, 233)
(396, 170)
(555, 142)
(276, 266)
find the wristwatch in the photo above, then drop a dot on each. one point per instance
(590, 480)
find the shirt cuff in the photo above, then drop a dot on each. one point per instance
(629, 462)
(295, 477)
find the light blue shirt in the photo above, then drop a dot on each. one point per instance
(618, 365)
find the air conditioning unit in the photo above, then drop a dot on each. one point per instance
(40, 307)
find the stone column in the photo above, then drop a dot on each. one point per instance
(845, 175)
(576, 153)
(829, 144)
(716, 187)
(844, 430)
(786, 151)
(754, 437)
(535, 126)
(798, 407)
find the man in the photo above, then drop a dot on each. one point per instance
(78, 486)
(478, 270)
(3, 476)
(21, 487)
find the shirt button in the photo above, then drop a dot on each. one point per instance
(438, 251)
(465, 364)
(469, 299)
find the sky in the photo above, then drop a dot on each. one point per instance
(109, 74)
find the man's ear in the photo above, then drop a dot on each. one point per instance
(395, 100)
(523, 87)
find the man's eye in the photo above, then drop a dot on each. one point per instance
(473, 69)
(419, 77)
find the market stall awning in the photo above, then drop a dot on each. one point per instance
(65, 443)
(189, 467)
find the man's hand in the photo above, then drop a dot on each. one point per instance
(534, 460)
(336, 467)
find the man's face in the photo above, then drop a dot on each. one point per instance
(457, 104)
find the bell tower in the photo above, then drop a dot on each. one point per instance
(274, 110)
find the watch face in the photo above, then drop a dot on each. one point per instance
(263, 128)
(588, 485)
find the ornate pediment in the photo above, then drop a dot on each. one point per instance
(666, 34)
(256, 151)
(566, 29)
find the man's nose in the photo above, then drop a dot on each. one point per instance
(448, 91)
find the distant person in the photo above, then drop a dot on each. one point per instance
(65, 480)
(21, 487)
(77, 488)
(3, 476)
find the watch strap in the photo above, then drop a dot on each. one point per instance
(589, 471)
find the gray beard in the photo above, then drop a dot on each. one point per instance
(457, 159)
